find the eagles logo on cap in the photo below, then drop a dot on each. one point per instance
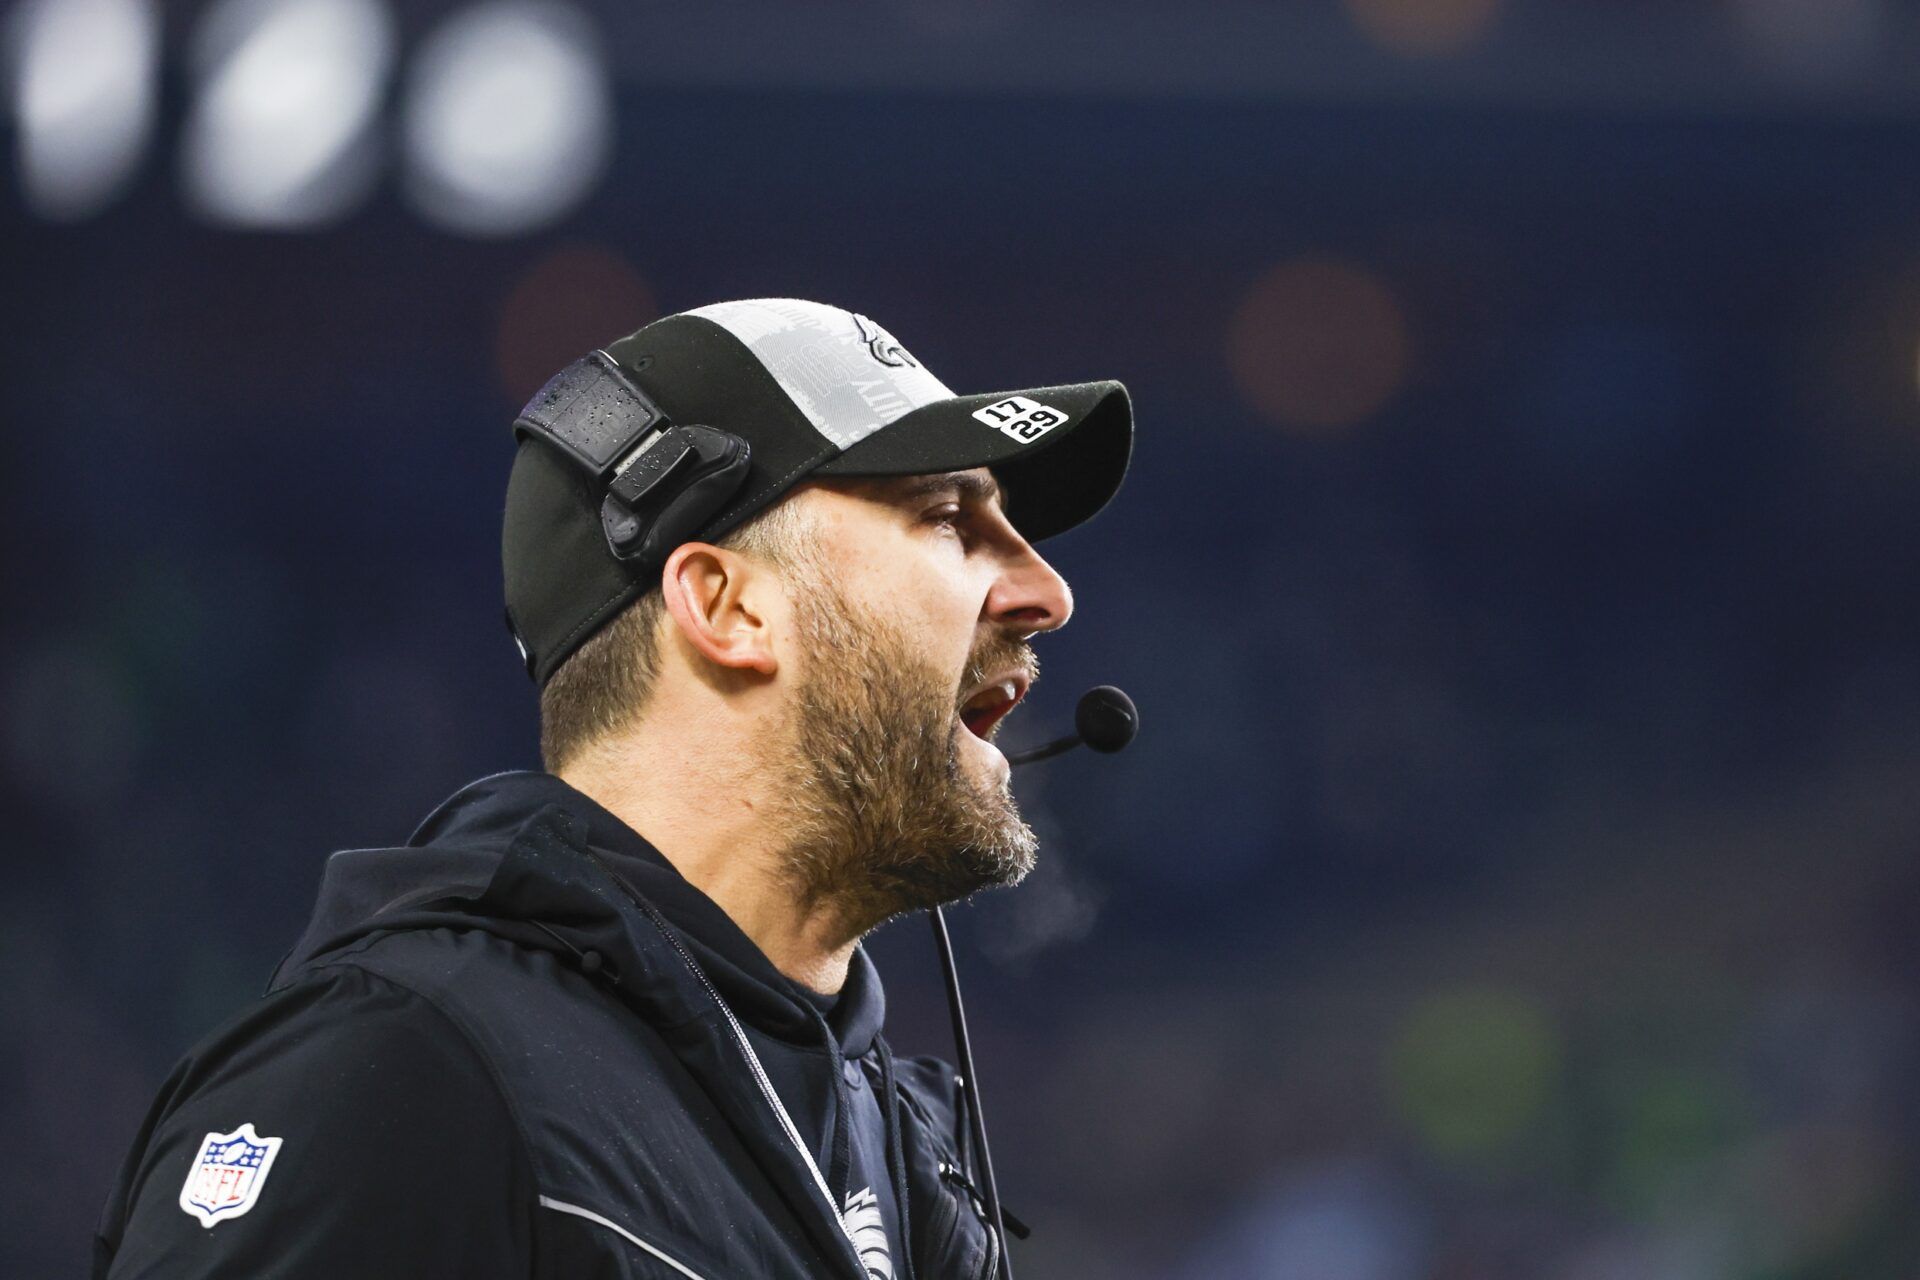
(883, 345)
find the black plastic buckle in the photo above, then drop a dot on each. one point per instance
(666, 491)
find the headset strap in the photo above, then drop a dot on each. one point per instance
(594, 415)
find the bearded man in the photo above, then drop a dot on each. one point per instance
(777, 585)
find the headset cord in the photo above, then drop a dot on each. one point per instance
(970, 1086)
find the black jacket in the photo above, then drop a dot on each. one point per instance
(523, 1045)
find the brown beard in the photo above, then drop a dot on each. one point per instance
(882, 818)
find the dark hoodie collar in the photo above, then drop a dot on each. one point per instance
(527, 858)
(489, 812)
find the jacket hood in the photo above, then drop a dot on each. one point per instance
(528, 857)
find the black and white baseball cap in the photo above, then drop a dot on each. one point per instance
(812, 390)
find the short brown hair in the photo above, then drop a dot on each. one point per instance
(605, 684)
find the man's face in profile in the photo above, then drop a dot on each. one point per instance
(910, 625)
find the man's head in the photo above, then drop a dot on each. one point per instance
(768, 515)
(865, 637)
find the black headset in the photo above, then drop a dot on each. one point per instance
(663, 481)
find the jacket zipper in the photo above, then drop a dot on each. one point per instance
(950, 1172)
(746, 1047)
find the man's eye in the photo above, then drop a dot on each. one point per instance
(952, 518)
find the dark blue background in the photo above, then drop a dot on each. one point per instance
(1516, 872)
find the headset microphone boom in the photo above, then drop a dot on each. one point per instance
(1106, 721)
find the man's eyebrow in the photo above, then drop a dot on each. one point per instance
(981, 489)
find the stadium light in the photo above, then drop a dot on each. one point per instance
(508, 118)
(280, 134)
(84, 89)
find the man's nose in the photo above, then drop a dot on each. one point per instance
(1029, 595)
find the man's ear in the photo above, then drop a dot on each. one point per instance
(706, 591)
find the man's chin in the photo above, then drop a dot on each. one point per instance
(1003, 852)
(996, 849)
(966, 871)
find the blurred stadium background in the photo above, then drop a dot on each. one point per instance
(1519, 871)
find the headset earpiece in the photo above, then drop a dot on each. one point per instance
(671, 489)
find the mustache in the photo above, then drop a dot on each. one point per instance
(999, 655)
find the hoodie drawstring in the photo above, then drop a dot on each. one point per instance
(840, 1165)
(896, 1158)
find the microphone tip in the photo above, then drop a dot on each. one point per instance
(1106, 719)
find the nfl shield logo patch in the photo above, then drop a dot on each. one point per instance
(225, 1179)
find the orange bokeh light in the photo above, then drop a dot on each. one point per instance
(1319, 344)
(563, 306)
(1424, 28)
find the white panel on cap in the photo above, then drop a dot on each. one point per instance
(847, 374)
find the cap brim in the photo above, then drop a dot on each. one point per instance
(1052, 483)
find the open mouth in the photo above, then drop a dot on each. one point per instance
(990, 705)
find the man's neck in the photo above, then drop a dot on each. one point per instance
(720, 826)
